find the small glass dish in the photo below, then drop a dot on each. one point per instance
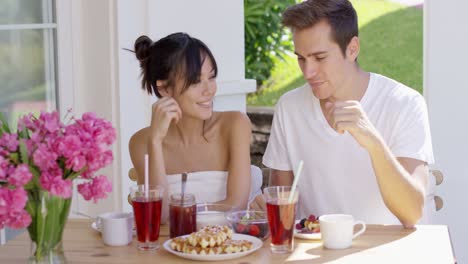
(212, 214)
(250, 222)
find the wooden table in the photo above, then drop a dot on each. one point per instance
(379, 244)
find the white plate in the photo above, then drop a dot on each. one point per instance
(312, 236)
(95, 227)
(256, 245)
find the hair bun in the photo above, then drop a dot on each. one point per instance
(142, 45)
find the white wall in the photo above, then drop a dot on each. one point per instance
(446, 91)
(87, 78)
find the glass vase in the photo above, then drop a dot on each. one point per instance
(49, 214)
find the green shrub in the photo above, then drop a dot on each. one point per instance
(264, 36)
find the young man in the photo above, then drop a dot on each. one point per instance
(364, 138)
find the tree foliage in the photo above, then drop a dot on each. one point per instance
(264, 36)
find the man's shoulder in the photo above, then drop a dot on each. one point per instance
(395, 90)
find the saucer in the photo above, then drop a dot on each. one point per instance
(306, 235)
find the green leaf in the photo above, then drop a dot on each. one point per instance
(34, 183)
(74, 175)
(4, 124)
(23, 152)
(14, 157)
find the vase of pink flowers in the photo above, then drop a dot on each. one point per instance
(39, 160)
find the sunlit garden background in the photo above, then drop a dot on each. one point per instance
(391, 36)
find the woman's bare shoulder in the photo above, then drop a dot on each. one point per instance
(234, 121)
(139, 139)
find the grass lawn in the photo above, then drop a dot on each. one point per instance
(391, 38)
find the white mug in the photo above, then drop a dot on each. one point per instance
(116, 228)
(337, 230)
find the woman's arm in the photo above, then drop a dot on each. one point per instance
(149, 141)
(238, 139)
(139, 145)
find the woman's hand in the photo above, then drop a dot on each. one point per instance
(258, 203)
(164, 111)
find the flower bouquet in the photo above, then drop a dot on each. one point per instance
(39, 160)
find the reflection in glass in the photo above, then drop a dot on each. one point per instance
(27, 57)
(26, 11)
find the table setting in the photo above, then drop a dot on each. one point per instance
(220, 232)
(212, 232)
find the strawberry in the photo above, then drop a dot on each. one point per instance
(254, 230)
(240, 228)
(298, 226)
(311, 218)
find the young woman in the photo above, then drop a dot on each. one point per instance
(185, 134)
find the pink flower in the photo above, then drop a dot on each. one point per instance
(9, 141)
(12, 200)
(96, 189)
(18, 199)
(4, 201)
(57, 152)
(44, 158)
(26, 122)
(29, 146)
(97, 160)
(54, 183)
(51, 121)
(20, 176)
(4, 167)
(18, 220)
(71, 148)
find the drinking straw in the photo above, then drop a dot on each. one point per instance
(296, 180)
(146, 186)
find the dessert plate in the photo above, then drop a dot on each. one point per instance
(306, 235)
(256, 245)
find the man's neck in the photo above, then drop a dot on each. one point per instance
(354, 87)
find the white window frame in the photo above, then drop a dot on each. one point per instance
(66, 23)
(49, 58)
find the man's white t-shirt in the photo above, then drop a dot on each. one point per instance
(338, 176)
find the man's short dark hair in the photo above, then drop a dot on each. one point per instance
(340, 14)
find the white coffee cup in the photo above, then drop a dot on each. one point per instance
(116, 228)
(337, 230)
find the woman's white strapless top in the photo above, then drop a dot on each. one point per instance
(210, 186)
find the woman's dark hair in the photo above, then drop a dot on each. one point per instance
(177, 55)
(340, 14)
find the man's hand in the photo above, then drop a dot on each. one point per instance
(349, 116)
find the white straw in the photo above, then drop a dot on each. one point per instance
(146, 186)
(296, 180)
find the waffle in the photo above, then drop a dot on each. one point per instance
(227, 247)
(210, 236)
(235, 246)
(211, 240)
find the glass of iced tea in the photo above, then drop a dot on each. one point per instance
(182, 214)
(147, 212)
(281, 216)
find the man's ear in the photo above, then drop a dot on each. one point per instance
(163, 89)
(352, 51)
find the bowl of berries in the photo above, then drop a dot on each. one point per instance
(250, 222)
(308, 228)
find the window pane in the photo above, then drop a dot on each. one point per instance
(27, 74)
(26, 11)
